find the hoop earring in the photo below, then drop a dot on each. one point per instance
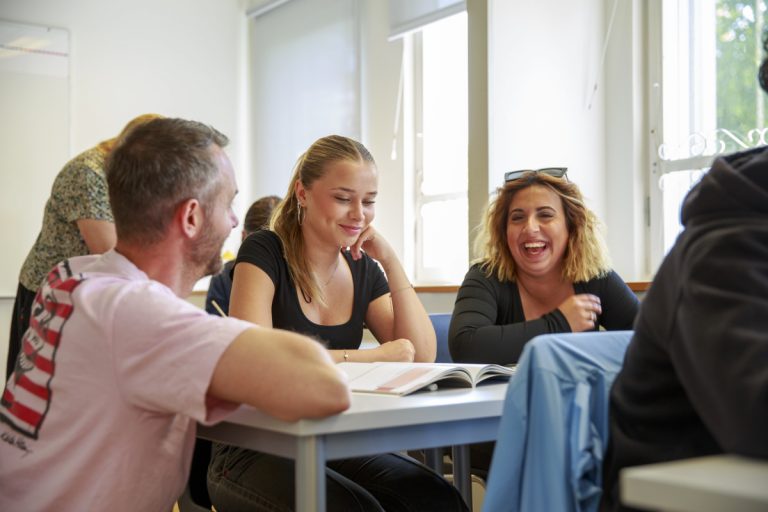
(299, 218)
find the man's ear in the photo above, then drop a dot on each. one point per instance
(190, 217)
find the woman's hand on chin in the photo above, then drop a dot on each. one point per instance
(373, 244)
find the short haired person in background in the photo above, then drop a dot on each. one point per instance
(543, 269)
(77, 220)
(256, 218)
(117, 368)
(315, 273)
(695, 375)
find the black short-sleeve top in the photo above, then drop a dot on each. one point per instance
(265, 250)
(489, 326)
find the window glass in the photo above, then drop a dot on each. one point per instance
(445, 106)
(711, 101)
(441, 156)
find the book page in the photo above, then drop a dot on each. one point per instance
(494, 372)
(397, 378)
(481, 372)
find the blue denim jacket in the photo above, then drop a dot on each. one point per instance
(554, 428)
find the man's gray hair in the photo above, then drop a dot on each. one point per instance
(155, 168)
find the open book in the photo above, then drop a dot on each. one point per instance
(405, 378)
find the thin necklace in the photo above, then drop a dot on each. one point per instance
(332, 273)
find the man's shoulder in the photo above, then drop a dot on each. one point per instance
(110, 264)
(112, 278)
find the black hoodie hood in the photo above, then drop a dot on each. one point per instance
(736, 185)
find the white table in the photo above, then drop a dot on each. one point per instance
(373, 424)
(704, 484)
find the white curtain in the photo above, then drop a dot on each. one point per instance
(409, 15)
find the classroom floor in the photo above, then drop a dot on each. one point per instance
(478, 493)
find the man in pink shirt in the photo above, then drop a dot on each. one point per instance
(116, 368)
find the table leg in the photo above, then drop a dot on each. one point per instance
(433, 458)
(310, 474)
(461, 469)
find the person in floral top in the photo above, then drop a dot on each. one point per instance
(77, 221)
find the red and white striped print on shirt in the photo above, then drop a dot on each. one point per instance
(27, 394)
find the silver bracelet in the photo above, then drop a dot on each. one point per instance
(401, 289)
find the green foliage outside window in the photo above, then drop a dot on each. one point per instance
(741, 104)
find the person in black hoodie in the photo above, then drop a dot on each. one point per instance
(695, 376)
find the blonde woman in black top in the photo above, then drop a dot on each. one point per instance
(324, 270)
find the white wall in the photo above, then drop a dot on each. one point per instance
(38, 104)
(174, 57)
(380, 60)
(544, 57)
(545, 60)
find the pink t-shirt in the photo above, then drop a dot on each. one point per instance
(100, 412)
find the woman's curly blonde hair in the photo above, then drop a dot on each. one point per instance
(585, 257)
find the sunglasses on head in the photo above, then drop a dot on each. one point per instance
(555, 172)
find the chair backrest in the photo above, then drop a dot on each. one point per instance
(554, 428)
(441, 322)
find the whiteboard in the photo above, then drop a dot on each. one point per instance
(34, 135)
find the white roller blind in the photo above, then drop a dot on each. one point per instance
(305, 83)
(409, 15)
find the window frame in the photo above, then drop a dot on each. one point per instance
(422, 274)
(704, 101)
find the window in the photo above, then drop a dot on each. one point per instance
(705, 99)
(440, 150)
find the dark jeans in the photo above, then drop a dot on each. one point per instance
(22, 308)
(244, 480)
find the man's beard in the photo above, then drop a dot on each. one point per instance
(205, 254)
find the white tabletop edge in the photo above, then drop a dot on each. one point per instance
(380, 411)
(704, 483)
